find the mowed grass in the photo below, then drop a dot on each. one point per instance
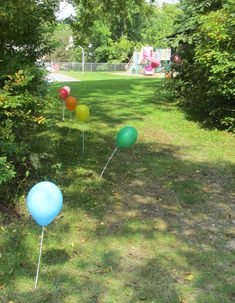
(159, 227)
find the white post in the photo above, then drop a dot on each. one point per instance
(63, 110)
(83, 61)
(39, 259)
(83, 141)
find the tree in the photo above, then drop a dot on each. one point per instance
(105, 24)
(26, 28)
(115, 28)
(160, 24)
(64, 50)
(205, 40)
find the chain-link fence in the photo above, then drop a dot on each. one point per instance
(88, 67)
(104, 67)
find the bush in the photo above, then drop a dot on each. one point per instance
(22, 100)
(205, 77)
(26, 31)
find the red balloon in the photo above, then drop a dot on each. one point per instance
(63, 93)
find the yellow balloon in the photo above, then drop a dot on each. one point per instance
(82, 113)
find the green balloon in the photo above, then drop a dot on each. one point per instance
(126, 137)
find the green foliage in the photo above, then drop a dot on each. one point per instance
(159, 24)
(26, 30)
(64, 51)
(105, 24)
(114, 28)
(6, 171)
(20, 116)
(115, 52)
(25, 36)
(206, 76)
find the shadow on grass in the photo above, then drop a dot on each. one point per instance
(122, 94)
(55, 256)
(158, 218)
(148, 193)
(200, 109)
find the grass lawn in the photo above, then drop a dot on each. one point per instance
(159, 227)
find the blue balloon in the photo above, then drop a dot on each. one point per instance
(44, 202)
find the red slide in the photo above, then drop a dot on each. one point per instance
(149, 69)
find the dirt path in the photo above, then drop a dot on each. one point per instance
(56, 77)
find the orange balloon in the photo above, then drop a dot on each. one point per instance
(71, 103)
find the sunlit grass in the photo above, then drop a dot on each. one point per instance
(154, 230)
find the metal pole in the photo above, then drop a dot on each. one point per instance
(137, 62)
(83, 61)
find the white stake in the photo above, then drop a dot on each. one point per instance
(39, 259)
(63, 110)
(83, 141)
(107, 163)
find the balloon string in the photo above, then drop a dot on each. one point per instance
(39, 259)
(107, 163)
(63, 109)
(83, 141)
(70, 119)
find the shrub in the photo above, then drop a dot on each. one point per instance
(25, 36)
(206, 76)
(21, 120)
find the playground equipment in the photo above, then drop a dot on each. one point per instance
(149, 60)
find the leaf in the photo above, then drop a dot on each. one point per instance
(188, 276)
(104, 270)
(34, 158)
